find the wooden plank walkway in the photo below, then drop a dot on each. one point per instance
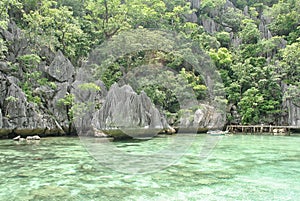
(260, 129)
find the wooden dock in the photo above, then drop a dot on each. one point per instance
(271, 129)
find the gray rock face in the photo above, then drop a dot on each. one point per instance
(210, 25)
(292, 107)
(236, 41)
(88, 99)
(195, 4)
(265, 32)
(229, 4)
(19, 115)
(191, 17)
(18, 42)
(3, 66)
(57, 108)
(3, 88)
(15, 106)
(206, 117)
(234, 113)
(0, 118)
(293, 113)
(123, 109)
(22, 117)
(61, 69)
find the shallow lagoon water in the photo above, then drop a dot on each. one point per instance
(240, 167)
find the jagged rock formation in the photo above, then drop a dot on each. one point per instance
(94, 109)
(124, 112)
(204, 118)
(18, 116)
(293, 113)
(195, 4)
(61, 69)
(55, 114)
(21, 115)
(87, 100)
(292, 106)
(265, 32)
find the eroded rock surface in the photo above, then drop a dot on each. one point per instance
(204, 117)
(125, 110)
(20, 116)
(293, 113)
(89, 96)
(61, 68)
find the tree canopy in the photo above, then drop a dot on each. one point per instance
(255, 45)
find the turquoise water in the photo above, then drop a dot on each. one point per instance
(238, 168)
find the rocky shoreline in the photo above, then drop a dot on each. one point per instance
(50, 97)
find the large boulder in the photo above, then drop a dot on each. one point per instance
(204, 118)
(4, 67)
(61, 69)
(125, 113)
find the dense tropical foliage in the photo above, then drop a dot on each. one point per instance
(254, 44)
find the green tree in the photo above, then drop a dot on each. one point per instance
(56, 28)
(285, 15)
(6, 6)
(210, 5)
(250, 106)
(224, 38)
(232, 18)
(222, 57)
(250, 32)
(290, 64)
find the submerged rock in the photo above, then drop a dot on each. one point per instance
(17, 138)
(98, 133)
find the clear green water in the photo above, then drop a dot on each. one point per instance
(239, 168)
